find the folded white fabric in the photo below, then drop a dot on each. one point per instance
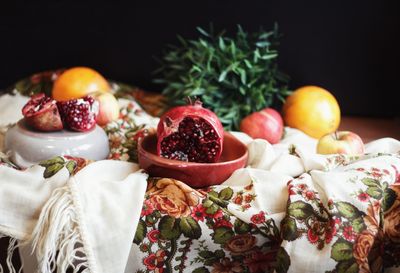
(89, 219)
(11, 108)
(290, 179)
(100, 206)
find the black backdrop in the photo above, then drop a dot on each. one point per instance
(349, 47)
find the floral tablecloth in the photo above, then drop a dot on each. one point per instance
(290, 210)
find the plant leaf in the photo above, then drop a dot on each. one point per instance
(52, 170)
(358, 224)
(222, 235)
(374, 192)
(202, 31)
(140, 233)
(71, 166)
(206, 254)
(389, 197)
(262, 44)
(221, 42)
(342, 250)
(241, 227)
(201, 270)
(54, 160)
(283, 261)
(300, 210)
(226, 194)
(212, 209)
(169, 228)
(222, 76)
(348, 210)
(190, 228)
(370, 182)
(350, 266)
(289, 229)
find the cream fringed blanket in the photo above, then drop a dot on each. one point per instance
(290, 210)
(87, 220)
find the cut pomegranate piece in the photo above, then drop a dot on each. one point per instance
(41, 113)
(79, 114)
(190, 133)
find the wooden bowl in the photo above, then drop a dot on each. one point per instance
(234, 156)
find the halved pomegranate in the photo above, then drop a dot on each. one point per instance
(190, 133)
(42, 114)
(79, 114)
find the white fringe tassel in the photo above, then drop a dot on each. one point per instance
(12, 246)
(56, 238)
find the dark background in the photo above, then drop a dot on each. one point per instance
(348, 47)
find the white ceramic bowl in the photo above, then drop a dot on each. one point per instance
(28, 147)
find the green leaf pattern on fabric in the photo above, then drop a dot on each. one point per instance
(342, 250)
(54, 165)
(168, 232)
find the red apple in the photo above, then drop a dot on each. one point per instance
(266, 124)
(108, 108)
(340, 142)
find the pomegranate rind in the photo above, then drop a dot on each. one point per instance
(41, 113)
(170, 121)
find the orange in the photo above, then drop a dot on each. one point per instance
(312, 110)
(78, 82)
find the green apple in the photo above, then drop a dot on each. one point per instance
(340, 142)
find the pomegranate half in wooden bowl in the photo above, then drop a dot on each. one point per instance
(234, 156)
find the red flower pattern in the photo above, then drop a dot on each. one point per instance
(153, 235)
(290, 189)
(249, 197)
(302, 186)
(376, 175)
(348, 233)
(331, 231)
(199, 212)
(222, 223)
(258, 218)
(147, 208)
(217, 215)
(363, 197)
(150, 261)
(238, 199)
(259, 262)
(309, 195)
(155, 261)
(249, 187)
(312, 236)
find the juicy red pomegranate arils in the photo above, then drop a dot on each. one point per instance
(190, 133)
(79, 114)
(41, 113)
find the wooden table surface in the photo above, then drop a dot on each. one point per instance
(371, 128)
